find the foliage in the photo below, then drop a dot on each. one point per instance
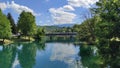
(108, 11)
(26, 24)
(40, 32)
(104, 24)
(86, 30)
(12, 23)
(5, 28)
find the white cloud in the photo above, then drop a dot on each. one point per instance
(17, 8)
(82, 3)
(3, 6)
(61, 17)
(68, 8)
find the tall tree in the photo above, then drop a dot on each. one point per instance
(26, 24)
(12, 23)
(109, 12)
(5, 28)
(86, 30)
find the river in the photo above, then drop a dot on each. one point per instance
(55, 54)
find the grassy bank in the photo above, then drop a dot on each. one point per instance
(6, 41)
(16, 39)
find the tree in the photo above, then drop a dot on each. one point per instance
(12, 23)
(26, 24)
(86, 30)
(5, 28)
(40, 33)
(109, 13)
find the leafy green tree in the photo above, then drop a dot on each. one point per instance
(40, 33)
(5, 28)
(86, 30)
(109, 13)
(13, 26)
(26, 24)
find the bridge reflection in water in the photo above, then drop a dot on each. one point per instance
(61, 34)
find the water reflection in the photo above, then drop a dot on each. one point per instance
(27, 55)
(19, 55)
(90, 57)
(105, 55)
(63, 52)
(110, 54)
(7, 56)
(41, 54)
(40, 44)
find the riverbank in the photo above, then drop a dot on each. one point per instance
(15, 40)
(6, 41)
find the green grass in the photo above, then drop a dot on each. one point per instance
(15, 39)
(6, 41)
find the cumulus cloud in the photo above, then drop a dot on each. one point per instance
(17, 8)
(3, 6)
(82, 3)
(61, 17)
(68, 8)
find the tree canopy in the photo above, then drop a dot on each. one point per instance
(5, 28)
(26, 24)
(109, 13)
(12, 23)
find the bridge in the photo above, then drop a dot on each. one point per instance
(61, 34)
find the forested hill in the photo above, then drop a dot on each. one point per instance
(53, 28)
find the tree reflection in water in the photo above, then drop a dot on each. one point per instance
(103, 55)
(7, 56)
(27, 55)
(108, 55)
(89, 58)
(40, 44)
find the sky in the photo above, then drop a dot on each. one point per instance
(49, 12)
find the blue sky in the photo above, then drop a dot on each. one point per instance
(49, 12)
